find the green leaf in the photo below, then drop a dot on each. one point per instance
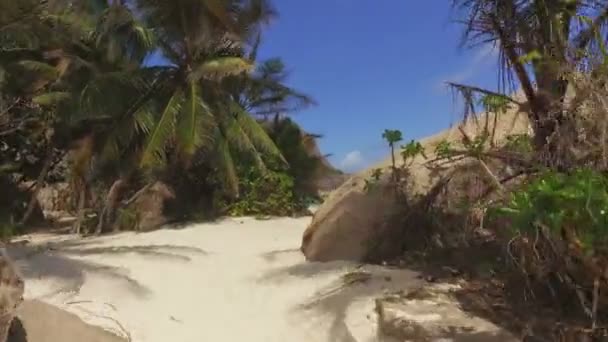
(52, 98)
(42, 69)
(164, 129)
(256, 133)
(226, 164)
(188, 132)
(530, 57)
(392, 136)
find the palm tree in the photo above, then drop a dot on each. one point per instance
(71, 76)
(265, 94)
(204, 43)
(539, 41)
(92, 82)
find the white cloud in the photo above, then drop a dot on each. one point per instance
(484, 55)
(352, 161)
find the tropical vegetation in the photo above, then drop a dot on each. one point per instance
(112, 96)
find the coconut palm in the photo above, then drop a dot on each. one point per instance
(538, 42)
(265, 94)
(71, 76)
(204, 43)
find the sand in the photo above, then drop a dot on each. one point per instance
(234, 280)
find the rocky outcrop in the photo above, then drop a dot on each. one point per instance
(150, 206)
(345, 227)
(347, 232)
(431, 314)
(55, 197)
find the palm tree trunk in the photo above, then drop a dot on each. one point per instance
(81, 206)
(108, 213)
(393, 162)
(39, 182)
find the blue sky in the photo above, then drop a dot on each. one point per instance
(372, 65)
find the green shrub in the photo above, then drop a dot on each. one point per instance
(8, 229)
(411, 151)
(577, 202)
(521, 143)
(127, 219)
(289, 139)
(271, 193)
(444, 149)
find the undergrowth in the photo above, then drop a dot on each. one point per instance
(268, 193)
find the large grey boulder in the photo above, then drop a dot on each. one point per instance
(348, 223)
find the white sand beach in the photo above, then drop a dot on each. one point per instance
(235, 280)
(240, 279)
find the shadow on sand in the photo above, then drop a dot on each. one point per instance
(64, 261)
(354, 283)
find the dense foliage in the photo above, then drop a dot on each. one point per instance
(571, 206)
(271, 193)
(81, 102)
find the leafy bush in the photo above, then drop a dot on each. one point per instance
(127, 219)
(411, 150)
(270, 193)
(290, 140)
(444, 149)
(576, 203)
(521, 143)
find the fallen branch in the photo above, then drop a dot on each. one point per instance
(136, 195)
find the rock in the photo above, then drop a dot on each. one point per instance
(40, 322)
(150, 206)
(432, 315)
(344, 232)
(11, 293)
(55, 197)
(350, 223)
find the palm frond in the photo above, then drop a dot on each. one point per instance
(188, 132)
(42, 69)
(123, 35)
(256, 134)
(219, 68)
(153, 153)
(52, 98)
(240, 141)
(225, 163)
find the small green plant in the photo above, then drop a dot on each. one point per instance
(7, 230)
(531, 57)
(411, 151)
(444, 149)
(376, 174)
(521, 143)
(576, 203)
(476, 146)
(374, 178)
(494, 103)
(269, 193)
(127, 219)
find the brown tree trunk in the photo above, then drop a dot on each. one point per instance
(81, 209)
(39, 183)
(108, 213)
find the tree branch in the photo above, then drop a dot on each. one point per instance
(515, 63)
(484, 91)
